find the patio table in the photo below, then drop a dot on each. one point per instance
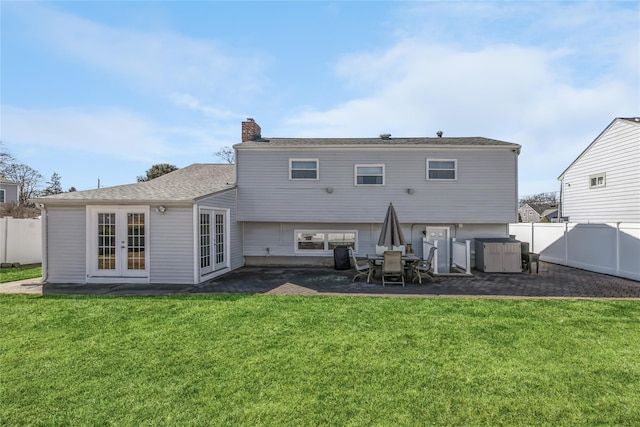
(376, 260)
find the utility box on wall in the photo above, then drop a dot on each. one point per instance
(498, 255)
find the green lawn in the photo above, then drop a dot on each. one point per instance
(19, 273)
(316, 361)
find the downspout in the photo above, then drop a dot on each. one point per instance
(516, 153)
(45, 242)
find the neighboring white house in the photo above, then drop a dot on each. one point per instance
(603, 184)
(288, 201)
(8, 191)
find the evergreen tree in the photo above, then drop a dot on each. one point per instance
(53, 186)
(156, 171)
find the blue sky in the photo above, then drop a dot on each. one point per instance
(104, 90)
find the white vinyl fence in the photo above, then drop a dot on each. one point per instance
(20, 240)
(611, 248)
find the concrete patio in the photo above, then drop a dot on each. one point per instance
(552, 281)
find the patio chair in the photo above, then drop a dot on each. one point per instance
(392, 268)
(361, 270)
(420, 267)
(528, 258)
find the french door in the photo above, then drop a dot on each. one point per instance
(213, 240)
(117, 242)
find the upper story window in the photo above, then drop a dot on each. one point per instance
(303, 169)
(441, 169)
(369, 174)
(597, 181)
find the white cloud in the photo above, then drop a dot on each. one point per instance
(189, 101)
(509, 92)
(161, 61)
(114, 133)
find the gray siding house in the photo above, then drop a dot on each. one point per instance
(603, 184)
(533, 212)
(8, 191)
(287, 201)
(179, 228)
(298, 198)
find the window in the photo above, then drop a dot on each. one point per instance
(369, 174)
(320, 241)
(597, 181)
(303, 169)
(2, 199)
(441, 169)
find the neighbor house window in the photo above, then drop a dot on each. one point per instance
(597, 181)
(441, 169)
(2, 199)
(369, 174)
(323, 241)
(303, 169)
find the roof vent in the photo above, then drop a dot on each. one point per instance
(439, 133)
(385, 135)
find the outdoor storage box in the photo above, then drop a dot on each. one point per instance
(498, 255)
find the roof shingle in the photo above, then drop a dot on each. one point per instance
(183, 185)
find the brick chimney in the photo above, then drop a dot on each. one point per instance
(250, 130)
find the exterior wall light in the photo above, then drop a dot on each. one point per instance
(329, 190)
(161, 209)
(410, 190)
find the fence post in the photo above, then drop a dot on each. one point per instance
(468, 245)
(566, 243)
(435, 258)
(5, 229)
(617, 249)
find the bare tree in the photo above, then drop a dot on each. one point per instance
(156, 171)
(227, 154)
(28, 180)
(550, 198)
(6, 159)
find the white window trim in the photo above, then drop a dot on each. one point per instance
(326, 250)
(596, 176)
(291, 178)
(367, 165)
(455, 169)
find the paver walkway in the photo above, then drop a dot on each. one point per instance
(552, 281)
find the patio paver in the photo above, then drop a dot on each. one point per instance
(553, 281)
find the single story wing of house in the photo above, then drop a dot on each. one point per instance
(286, 201)
(178, 228)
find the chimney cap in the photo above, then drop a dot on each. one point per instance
(250, 119)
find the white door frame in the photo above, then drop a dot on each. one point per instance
(120, 243)
(442, 234)
(218, 260)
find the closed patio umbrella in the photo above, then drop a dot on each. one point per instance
(391, 233)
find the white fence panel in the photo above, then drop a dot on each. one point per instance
(461, 255)
(20, 240)
(604, 248)
(629, 243)
(426, 247)
(591, 247)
